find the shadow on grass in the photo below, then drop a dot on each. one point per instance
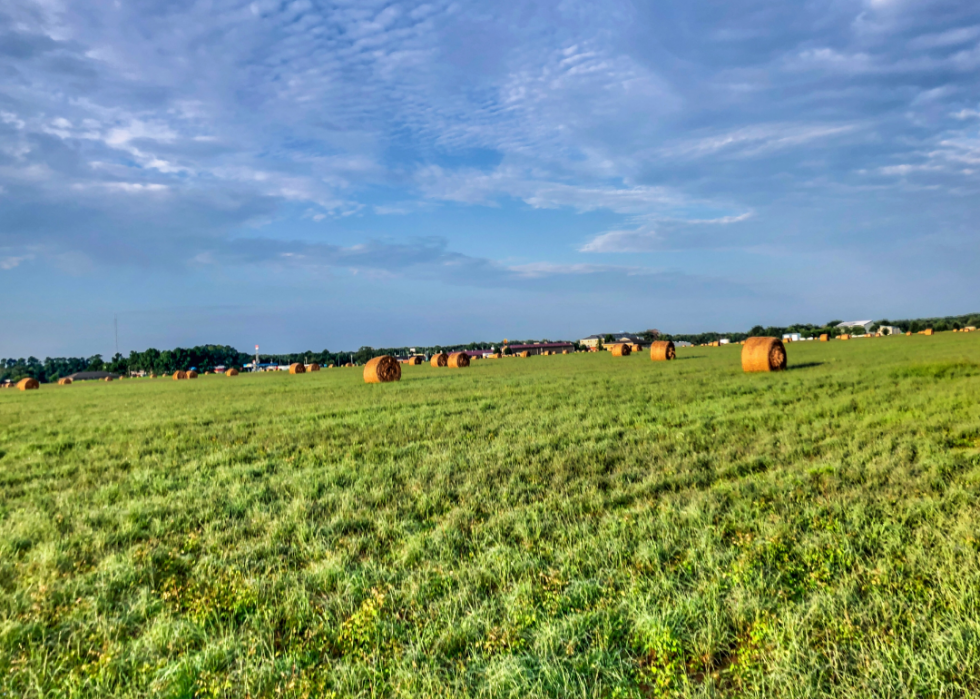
(697, 356)
(807, 365)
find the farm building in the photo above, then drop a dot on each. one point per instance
(624, 338)
(889, 330)
(539, 347)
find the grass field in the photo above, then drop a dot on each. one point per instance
(569, 526)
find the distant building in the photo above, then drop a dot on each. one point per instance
(627, 338)
(539, 347)
(724, 341)
(866, 324)
(792, 337)
(683, 343)
(889, 330)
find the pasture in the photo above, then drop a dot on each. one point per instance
(566, 526)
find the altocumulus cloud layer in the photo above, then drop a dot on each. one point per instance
(389, 172)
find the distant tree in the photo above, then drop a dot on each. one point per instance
(757, 331)
(506, 350)
(834, 323)
(608, 338)
(95, 363)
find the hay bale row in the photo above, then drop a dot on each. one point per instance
(180, 375)
(620, 350)
(663, 351)
(28, 384)
(525, 354)
(384, 369)
(297, 368)
(313, 367)
(763, 354)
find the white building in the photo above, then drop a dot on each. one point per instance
(792, 337)
(889, 330)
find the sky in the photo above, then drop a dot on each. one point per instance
(324, 175)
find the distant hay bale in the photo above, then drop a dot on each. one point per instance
(330, 366)
(382, 369)
(763, 354)
(64, 382)
(927, 331)
(153, 376)
(192, 374)
(564, 351)
(441, 359)
(180, 375)
(414, 361)
(232, 372)
(663, 351)
(28, 384)
(458, 360)
(313, 367)
(495, 355)
(825, 338)
(908, 334)
(525, 354)
(845, 336)
(620, 350)
(636, 348)
(297, 368)
(107, 379)
(349, 364)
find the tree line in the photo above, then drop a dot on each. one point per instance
(207, 357)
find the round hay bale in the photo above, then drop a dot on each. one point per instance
(297, 368)
(180, 375)
(763, 354)
(348, 364)
(153, 376)
(329, 366)
(564, 351)
(28, 384)
(416, 360)
(107, 379)
(927, 331)
(621, 350)
(313, 367)
(662, 351)
(636, 348)
(524, 354)
(64, 382)
(382, 369)
(232, 372)
(441, 359)
(845, 336)
(458, 360)
(825, 338)
(192, 374)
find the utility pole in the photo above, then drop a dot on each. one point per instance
(115, 327)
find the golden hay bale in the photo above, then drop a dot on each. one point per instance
(28, 384)
(825, 337)
(153, 376)
(64, 382)
(458, 360)
(908, 334)
(564, 351)
(845, 336)
(927, 331)
(382, 369)
(763, 354)
(969, 328)
(620, 350)
(180, 375)
(524, 354)
(329, 366)
(192, 374)
(636, 348)
(232, 372)
(441, 359)
(297, 368)
(313, 367)
(107, 379)
(663, 351)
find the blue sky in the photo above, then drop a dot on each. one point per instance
(307, 175)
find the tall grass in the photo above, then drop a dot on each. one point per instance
(569, 526)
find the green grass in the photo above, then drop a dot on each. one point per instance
(570, 526)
